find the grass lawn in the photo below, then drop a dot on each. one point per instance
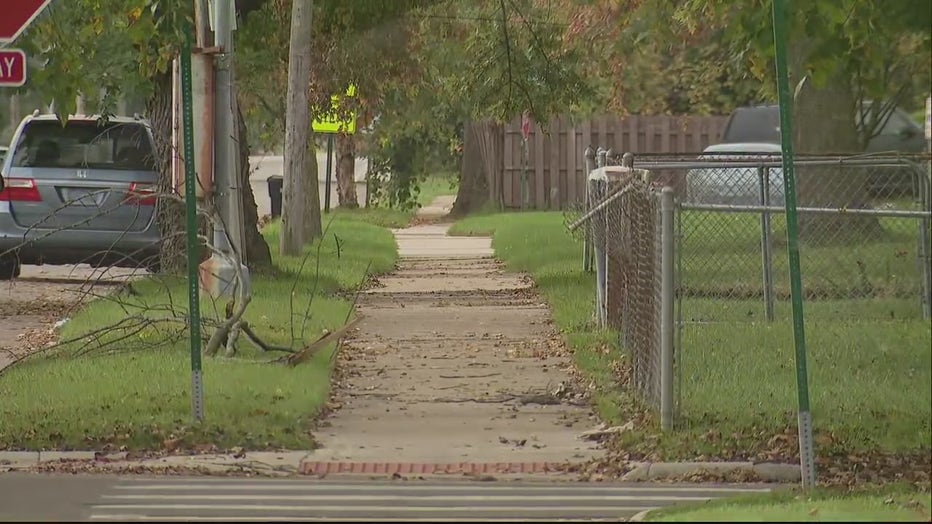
(437, 185)
(898, 505)
(870, 365)
(137, 395)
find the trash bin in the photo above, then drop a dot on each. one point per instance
(275, 194)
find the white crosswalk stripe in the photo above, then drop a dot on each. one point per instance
(309, 500)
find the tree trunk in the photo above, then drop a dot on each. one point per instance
(170, 213)
(346, 171)
(473, 193)
(258, 255)
(824, 122)
(300, 195)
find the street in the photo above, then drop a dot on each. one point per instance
(263, 166)
(116, 498)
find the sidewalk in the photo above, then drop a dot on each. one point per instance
(455, 362)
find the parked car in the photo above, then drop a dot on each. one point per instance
(761, 124)
(900, 134)
(83, 192)
(735, 185)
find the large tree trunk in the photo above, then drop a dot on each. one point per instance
(171, 213)
(473, 193)
(346, 171)
(824, 123)
(300, 223)
(258, 255)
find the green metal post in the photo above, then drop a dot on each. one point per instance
(329, 171)
(806, 452)
(190, 195)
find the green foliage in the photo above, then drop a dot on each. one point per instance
(499, 59)
(102, 49)
(879, 50)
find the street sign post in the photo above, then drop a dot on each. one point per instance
(331, 123)
(190, 181)
(525, 160)
(12, 68)
(784, 96)
(17, 15)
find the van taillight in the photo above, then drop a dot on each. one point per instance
(20, 190)
(142, 194)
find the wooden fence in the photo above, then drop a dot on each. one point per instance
(556, 166)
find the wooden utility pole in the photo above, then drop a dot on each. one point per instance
(300, 191)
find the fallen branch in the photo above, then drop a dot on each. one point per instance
(317, 345)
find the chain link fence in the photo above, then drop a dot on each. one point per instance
(865, 259)
(624, 223)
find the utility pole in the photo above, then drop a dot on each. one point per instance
(229, 235)
(297, 130)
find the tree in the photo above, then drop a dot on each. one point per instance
(301, 204)
(106, 48)
(492, 61)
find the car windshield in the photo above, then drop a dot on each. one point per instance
(84, 144)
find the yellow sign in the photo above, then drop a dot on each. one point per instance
(331, 123)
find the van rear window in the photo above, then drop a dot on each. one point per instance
(83, 144)
(757, 124)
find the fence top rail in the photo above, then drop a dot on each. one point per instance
(771, 162)
(732, 208)
(885, 155)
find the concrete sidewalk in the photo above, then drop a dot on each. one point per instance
(456, 361)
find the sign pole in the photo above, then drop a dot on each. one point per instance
(190, 191)
(329, 167)
(806, 451)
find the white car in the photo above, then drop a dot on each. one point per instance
(735, 185)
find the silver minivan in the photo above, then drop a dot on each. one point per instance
(82, 192)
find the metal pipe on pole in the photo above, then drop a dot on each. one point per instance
(229, 233)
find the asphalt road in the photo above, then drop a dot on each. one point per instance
(262, 167)
(116, 498)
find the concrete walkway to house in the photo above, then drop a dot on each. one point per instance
(455, 361)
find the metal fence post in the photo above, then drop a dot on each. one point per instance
(589, 156)
(925, 257)
(766, 243)
(667, 297)
(599, 244)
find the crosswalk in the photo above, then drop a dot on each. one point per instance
(246, 500)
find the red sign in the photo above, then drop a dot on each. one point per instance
(17, 15)
(12, 68)
(526, 125)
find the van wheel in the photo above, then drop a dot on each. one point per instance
(153, 265)
(9, 268)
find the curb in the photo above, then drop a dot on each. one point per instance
(640, 472)
(765, 471)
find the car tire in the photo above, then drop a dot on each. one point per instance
(9, 268)
(153, 265)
